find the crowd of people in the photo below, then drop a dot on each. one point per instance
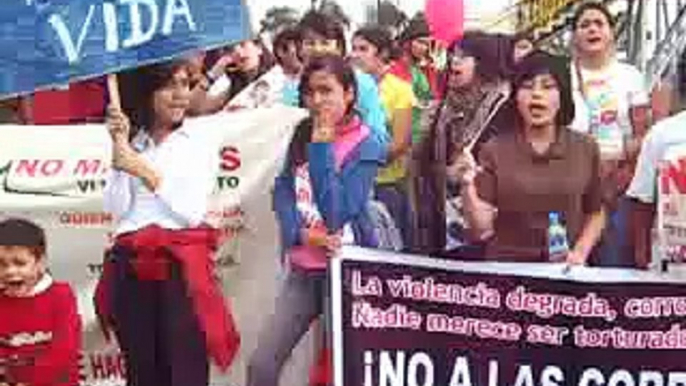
(505, 152)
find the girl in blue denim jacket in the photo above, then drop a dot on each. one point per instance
(320, 200)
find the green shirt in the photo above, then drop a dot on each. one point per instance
(422, 91)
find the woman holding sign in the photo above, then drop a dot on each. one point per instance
(320, 200)
(157, 291)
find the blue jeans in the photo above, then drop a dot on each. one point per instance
(397, 200)
(616, 249)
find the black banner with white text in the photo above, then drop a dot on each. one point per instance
(419, 322)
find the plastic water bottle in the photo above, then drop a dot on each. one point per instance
(558, 245)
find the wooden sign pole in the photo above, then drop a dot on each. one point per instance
(113, 88)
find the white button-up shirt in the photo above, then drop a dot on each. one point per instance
(188, 163)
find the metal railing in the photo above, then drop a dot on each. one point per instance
(671, 41)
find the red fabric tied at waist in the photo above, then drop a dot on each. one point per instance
(193, 249)
(153, 269)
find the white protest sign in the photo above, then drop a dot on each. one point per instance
(54, 175)
(671, 205)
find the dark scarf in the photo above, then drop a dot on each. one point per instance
(456, 118)
(463, 117)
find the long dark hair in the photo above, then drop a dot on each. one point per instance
(378, 37)
(240, 80)
(324, 25)
(339, 68)
(488, 52)
(137, 87)
(283, 39)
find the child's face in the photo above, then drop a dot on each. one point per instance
(325, 93)
(20, 270)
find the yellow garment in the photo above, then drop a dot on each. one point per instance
(396, 95)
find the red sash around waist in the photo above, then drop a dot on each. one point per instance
(193, 249)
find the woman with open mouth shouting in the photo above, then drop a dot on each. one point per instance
(612, 105)
(473, 110)
(541, 177)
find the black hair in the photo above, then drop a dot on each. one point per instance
(378, 37)
(344, 73)
(17, 232)
(241, 80)
(324, 25)
(417, 28)
(285, 37)
(290, 35)
(539, 63)
(137, 86)
(511, 44)
(489, 52)
(592, 6)
(267, 59)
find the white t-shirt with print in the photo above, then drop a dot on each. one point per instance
(664, 146)
(604, 111)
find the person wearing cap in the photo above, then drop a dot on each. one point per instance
(539, 169)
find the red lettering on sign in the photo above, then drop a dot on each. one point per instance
(86, 218)
(44, 168)
(29, 167)
(107, 366)
(230, 159)
(675, 173)
(87, 167)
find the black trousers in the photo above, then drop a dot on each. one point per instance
(157, 329)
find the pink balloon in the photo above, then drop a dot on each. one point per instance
(446, 19)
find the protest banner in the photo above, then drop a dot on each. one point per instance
(403, 320)
(55, 176)
(55, 42)
(263, 92)
(671, 208)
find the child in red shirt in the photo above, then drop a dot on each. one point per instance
(40, 328)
